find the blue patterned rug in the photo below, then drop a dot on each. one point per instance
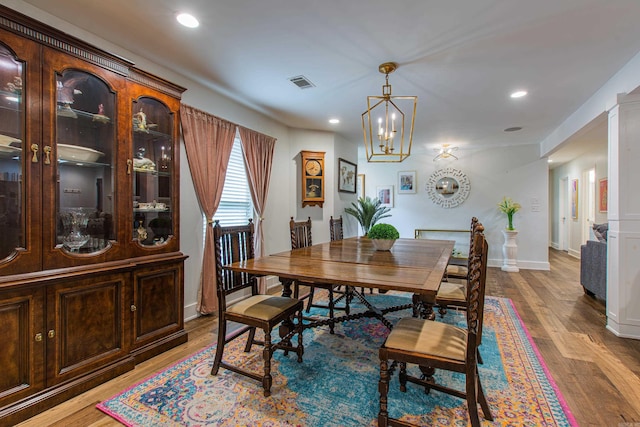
(337, 384)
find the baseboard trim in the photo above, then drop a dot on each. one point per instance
(524, 265)
(191, 311)
(574, 253)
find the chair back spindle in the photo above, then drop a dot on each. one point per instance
(476, 286)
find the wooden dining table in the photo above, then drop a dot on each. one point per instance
(416, 266)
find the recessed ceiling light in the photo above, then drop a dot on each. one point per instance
(187, 20)
(334, 121)
(549, 160)
(519, 94)
(513, 129)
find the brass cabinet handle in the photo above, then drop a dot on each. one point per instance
(133, 307)
(47, 154)
(38, 337)
(51, 333)
(34, 148)
(129, 162)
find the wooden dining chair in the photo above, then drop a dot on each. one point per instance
(457, 271)
(233, 244)
(454, 294)
(441, 346)
(301, 238)
(335, 228)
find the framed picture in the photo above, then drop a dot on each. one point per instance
(360, 186)
(574, 198)
(384, 193)
(407, 182)
(603, 194)
(347, 174)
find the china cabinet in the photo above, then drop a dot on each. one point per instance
(91, 273)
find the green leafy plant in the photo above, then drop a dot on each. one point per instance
(509, 207)
(383, 231)
(368, 212)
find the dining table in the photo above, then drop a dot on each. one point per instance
(415, 266)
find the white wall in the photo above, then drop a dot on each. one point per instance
(516, 172)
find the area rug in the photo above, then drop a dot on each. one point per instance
(337, 383)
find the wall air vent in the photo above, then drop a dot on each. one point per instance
(302, 82)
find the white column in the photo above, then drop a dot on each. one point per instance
(623, 242)
(510, 251)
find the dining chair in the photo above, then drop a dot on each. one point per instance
(233, 244)
(335, 228)
(301, 238)
(452, 294)
(441, 346)
(457, 271)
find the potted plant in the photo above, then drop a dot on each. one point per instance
(368, 212)
(383, 236)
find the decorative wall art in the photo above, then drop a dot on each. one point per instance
(347, 173)
(384, 193)
(360, 186)
(574, 198)
(603, 193)
(407, 182)
(448, 187)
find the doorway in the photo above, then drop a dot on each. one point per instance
(563, 213)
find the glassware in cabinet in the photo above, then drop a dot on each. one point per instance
(86, 151)
(153, 129)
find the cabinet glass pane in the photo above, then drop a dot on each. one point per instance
(12, 112)
(85, 144)
(152, 145)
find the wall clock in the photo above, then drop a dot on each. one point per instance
(448, 187)
(312, 178)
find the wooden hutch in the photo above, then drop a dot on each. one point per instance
(91, 273)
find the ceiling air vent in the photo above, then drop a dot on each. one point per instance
(302, 82)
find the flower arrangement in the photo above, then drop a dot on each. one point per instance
(509, 207)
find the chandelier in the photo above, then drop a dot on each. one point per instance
(384, 124)
(446, 152)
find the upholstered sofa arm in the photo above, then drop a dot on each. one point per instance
(593, 268)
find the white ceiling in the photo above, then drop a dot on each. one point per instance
(462, 58)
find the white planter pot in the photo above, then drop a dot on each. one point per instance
(510, 251)
(383, 244)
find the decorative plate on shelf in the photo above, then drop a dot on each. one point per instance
(75, 153)
(6, 141)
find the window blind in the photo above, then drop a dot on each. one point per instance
(235, 206)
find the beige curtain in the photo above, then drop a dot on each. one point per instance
(258, 158)
(208, 141)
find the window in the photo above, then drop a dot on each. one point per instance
(236, 207)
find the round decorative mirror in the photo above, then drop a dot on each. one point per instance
(448, 187)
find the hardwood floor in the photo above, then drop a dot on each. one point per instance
(598, 373)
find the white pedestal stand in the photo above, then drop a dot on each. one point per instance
(510, 251)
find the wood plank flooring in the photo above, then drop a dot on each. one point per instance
(597, 372)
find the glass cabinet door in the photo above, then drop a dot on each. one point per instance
(153, 129)
(12, 123)
(86, 151)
